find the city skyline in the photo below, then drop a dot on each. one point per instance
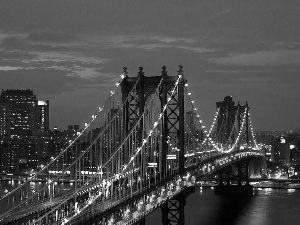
(73, 52)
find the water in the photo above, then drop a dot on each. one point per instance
(266, 207)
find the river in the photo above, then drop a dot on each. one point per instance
(267, 206)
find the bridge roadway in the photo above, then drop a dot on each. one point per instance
(92, 213)
(27, 212)
(43, 177)
(108, 205)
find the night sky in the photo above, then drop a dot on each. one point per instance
(72, 53)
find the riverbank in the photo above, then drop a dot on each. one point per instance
(273, 185)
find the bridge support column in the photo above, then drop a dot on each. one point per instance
(225, 175)
(239, 189)
(243, 174)
(173, 209)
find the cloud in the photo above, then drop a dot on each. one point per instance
(58, 57)
(172, 40)
(40, 40)
(67, 62)
(261, 58)
(7, 68)
(86, 73)
(153, 42)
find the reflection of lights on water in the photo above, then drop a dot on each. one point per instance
(291, 190)
(211, 187)
(201, 190)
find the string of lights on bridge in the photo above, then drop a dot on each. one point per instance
(145, 140)
(252, 132)
(86, 125)
(99, 171)
(208, 133)
(211, 127)
(79, 134)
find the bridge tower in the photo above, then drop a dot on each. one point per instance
(173, 119)
(229, 121)
(172, 125)
(225, 120)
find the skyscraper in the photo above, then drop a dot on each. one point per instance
(41, 117)
(22, 114)
(24, 126)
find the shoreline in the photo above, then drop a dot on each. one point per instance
(254, 186)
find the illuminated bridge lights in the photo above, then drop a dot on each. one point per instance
(155, 123)
(214, 154)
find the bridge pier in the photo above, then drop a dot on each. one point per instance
(173, 209)
(243, 177)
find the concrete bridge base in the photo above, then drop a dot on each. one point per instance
(234, 190)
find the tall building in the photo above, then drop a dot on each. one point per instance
(41, 117)
(24, 130)
(4, 118)
(280, 151)
(22, 114)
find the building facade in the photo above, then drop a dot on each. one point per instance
(22, 114)
(24, 130)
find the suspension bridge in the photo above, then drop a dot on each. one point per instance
(141, 150)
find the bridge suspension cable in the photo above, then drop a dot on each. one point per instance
(252, 132)
(102, 114)
(131, 156)
(208, 134)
